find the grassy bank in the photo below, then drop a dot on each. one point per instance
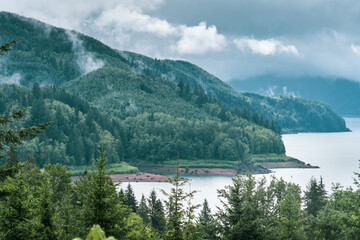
(216, 163)
(261, 158)
(115, 168)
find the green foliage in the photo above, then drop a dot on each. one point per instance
(113, 168)
(179, 218)
(244, 209)
(143, 210)
(315, 196)
(156, 212)
(259, 158)
(11, 159)
(154, 137)
(97, 194)
(207, 227)
(130, 199)
(96, 233)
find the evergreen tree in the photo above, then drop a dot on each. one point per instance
(180, 86)
(156, 212)
(255, 118)
(314, 196)
(121, 196)
(176, 211)
(244, 209)
(100, 201)
(290, 214)
(189, 231)
(143, 210)
(130, 199)
(46, 211)
(206, 223)
(12, 159)
(18, 219)
(36, 91)
(31, 160)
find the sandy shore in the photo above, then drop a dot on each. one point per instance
(156, 174)
(139, 177)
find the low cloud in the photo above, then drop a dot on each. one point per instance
(265, 47)
(199, 40)
(124, 19)
(355, 49)
(13, 79)
(86, 61)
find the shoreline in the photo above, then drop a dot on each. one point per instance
(157, 174)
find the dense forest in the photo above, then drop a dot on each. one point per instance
(77, 130)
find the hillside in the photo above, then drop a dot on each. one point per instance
(342, 95)
(51, 55)
(78, 130)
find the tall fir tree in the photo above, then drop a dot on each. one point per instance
(11, 159)
(156, 212)
(100, 201)
(176, 212)
(206, 224)
(130, 199)
(143, 210)
(314, 196)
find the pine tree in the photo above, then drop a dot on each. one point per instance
(156, 212)
(121, 196)
(46, 211)
(180, 85)
(12, 159)
(100, 201)
(143, 210)
(175, 207)
(31, 160)
(243, 209)
(206, 224)
(17, 210)
(130, 199)
(190, 232)
(36, 91)
(314, 196)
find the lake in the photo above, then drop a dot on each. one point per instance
(337, 155)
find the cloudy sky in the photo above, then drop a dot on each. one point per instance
(229, 38)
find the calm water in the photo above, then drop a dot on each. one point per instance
(336, 154)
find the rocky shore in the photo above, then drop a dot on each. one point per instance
(161, 174)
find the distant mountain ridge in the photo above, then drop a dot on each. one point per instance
(343, 95)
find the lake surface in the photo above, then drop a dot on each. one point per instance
(337, 155)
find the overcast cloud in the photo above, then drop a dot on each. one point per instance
(229, 38)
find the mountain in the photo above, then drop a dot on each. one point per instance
(138, 108)
(51, 55)
(343, 95)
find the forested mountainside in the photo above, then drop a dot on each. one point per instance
(50, 55)
(343, 95)
(79, 130)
